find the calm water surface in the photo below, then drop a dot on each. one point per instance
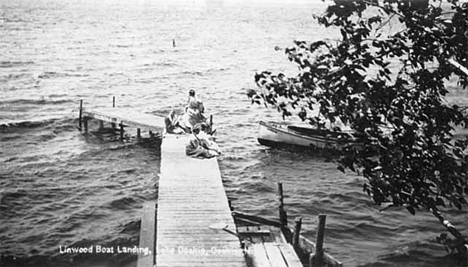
(61, 188)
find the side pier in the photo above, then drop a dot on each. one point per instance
(122, 118)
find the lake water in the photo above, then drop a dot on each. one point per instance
(61, 188)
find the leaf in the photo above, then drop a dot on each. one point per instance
(251, 93)
(440, 202)
(341, 168)
(315, 45)
(411, 210)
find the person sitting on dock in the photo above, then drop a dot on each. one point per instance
(206, 137)
(172, 123)
(200, 144)
(195, 109)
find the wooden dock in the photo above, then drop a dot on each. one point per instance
(192, 225)
(268, 247)
(122, 118)
(127, 118)
(194, 222)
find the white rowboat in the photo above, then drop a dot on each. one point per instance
(280, 134)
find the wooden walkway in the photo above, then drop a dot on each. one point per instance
(124, 118)
(192, 211)
(268, 247)
(192, 224)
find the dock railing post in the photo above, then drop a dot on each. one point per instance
(297, 233)
(80, 115)
(121, 132)
(113, 105)
(316, 260)
(85, 121)
(282, 213)
(211, 123)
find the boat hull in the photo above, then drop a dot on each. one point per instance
(279, 135)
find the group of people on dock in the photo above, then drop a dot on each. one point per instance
(193, 121)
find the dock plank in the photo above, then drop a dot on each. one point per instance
(274, 255)
(192, 205)
(147, 235)
(289, 255)
(258, 255)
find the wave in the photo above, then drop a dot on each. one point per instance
(162, 64)
(418, 254)
(35, 101)
(123, 204)
(217, 70)
(27, 124)
(194, 73)
(10, 77)
(10, 138)
(53, 74)
(13, 64)
(56, 124)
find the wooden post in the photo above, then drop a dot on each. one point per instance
(101, 125)
(85, 121)
(113, 105)
(211, 124)
(138, 134)
(121, 132)
(80, 115)
(282, 213)
(297, 232)
(316, 260)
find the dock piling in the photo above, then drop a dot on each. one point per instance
(138, 134)
(113, 105)
(297, 232)
(121, 132)
(316, 260)
(85, 122)
(80, 116)
(283, 217)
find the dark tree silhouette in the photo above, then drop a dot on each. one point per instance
(390, 85)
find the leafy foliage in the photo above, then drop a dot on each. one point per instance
(389, 84)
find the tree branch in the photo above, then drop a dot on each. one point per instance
(452, 230)
(458, 65)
